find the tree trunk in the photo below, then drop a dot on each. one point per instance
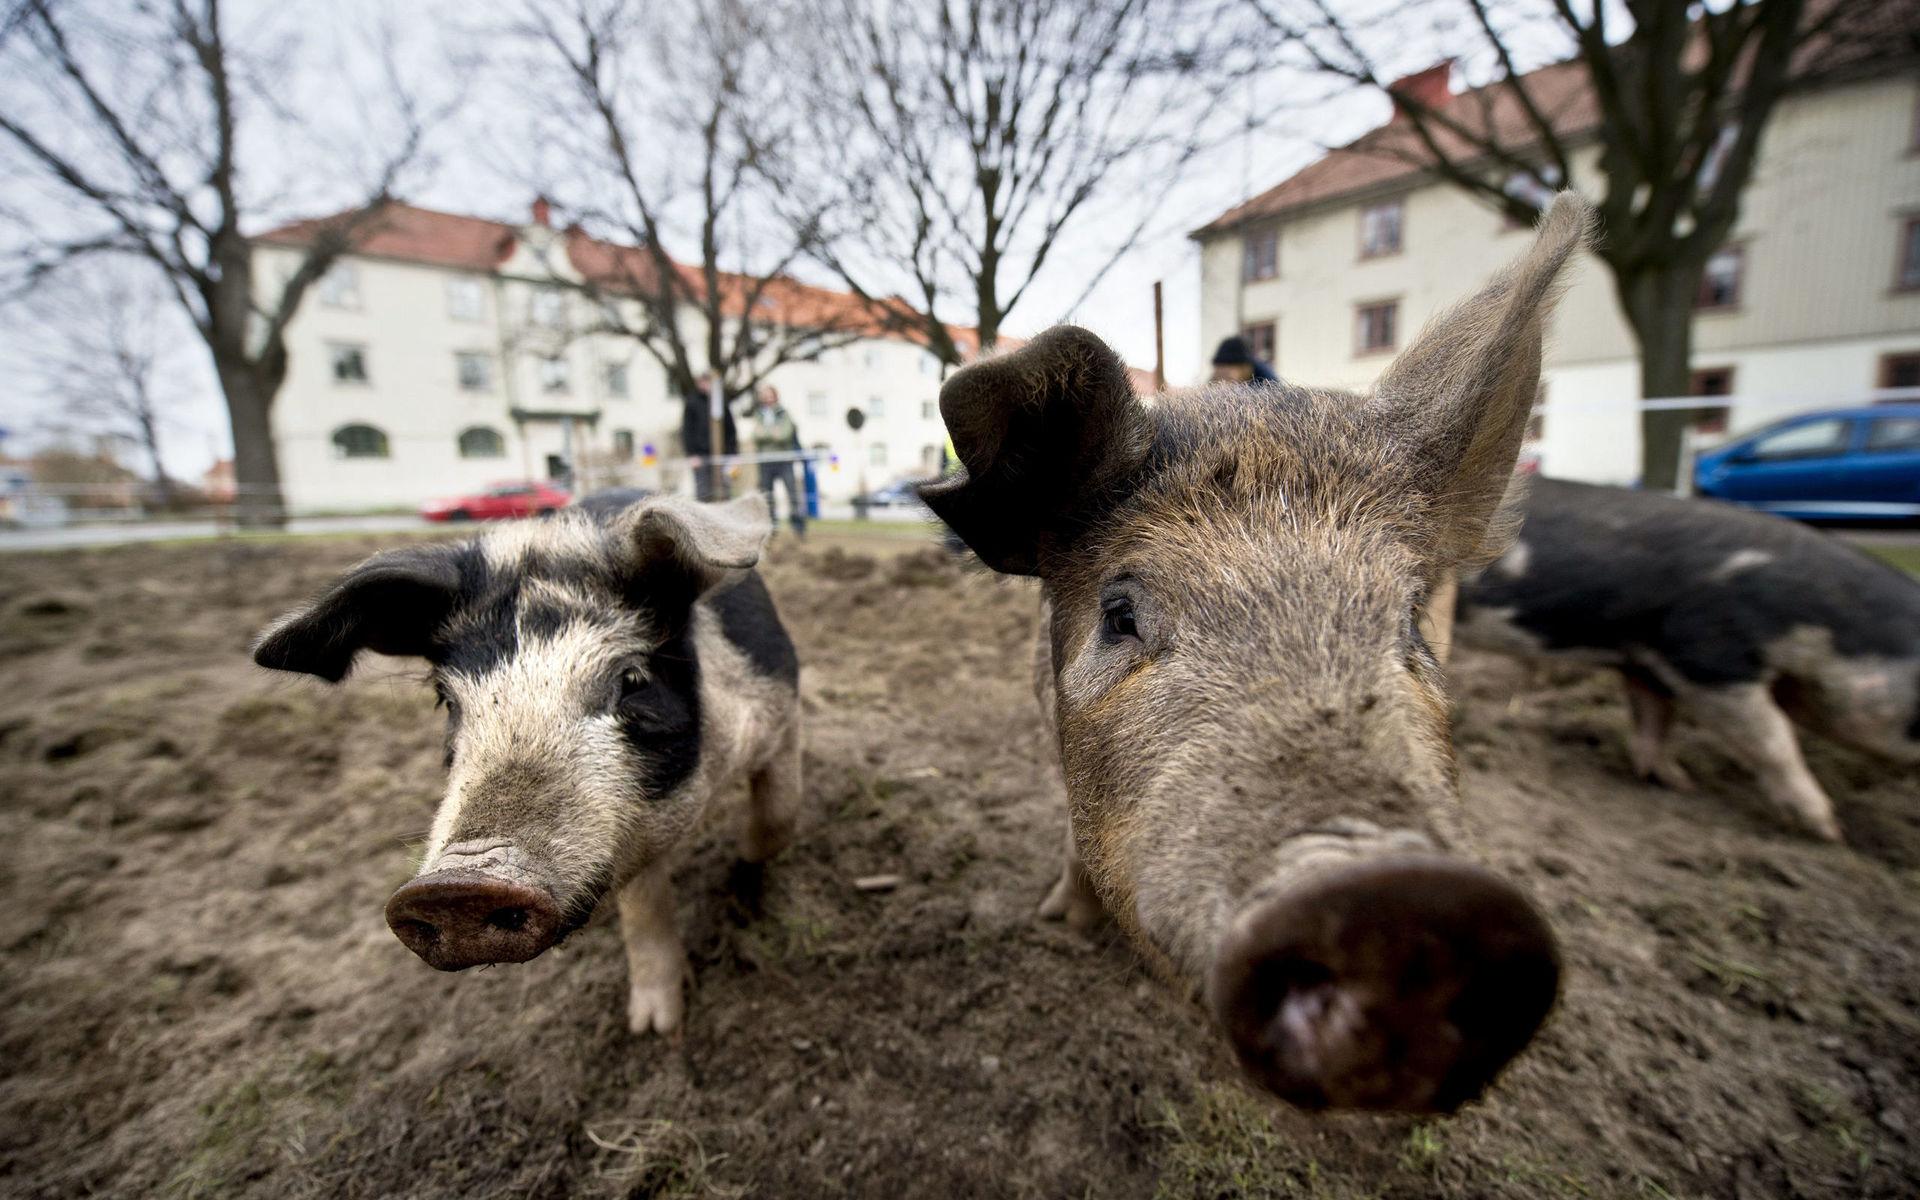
(1658, 303)
(150, 438)
(256, 466)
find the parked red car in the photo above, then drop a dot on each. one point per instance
(502, 500)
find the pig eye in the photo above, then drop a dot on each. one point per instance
(632, 685)
(1116, 619)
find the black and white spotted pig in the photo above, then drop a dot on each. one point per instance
(1745, 623)
(605, 673)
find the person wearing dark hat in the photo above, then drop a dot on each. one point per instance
(1233, 362)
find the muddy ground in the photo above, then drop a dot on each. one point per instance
(199, 997)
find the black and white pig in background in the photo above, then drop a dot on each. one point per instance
(605, 674)
(1743, 622)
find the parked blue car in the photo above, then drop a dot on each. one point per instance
(1844, 464)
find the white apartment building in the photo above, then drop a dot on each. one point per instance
(441, 357)
(1814, 302)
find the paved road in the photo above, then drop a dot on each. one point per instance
(63, 537)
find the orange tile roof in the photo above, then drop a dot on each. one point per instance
(1870, 36)
(413, 234)
(1393, 152)
(409, 233)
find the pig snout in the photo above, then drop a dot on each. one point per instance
(460, 917)
(1400, 984)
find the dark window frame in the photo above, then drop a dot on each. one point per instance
(335, 353)
(1361, 346)
(1906, 263)
(1891, 364)
(344, 446)
(1399, 205)
(1701, 302)
(1267, 266)
(465, 439)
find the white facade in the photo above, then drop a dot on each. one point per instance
(1821, 317)
(470, 377)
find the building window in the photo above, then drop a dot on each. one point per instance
(1534, 189)
(482, 442)
(1900, 371)
(1908, 278)
(466, 299)
(876, 407)
(1888, 434)
(929, 366)
(617, 380)
(549, 309)
(1260, 340)
(877, 454)
(475, 371)
(359, 441)
(1375, 326)
(623, 445)
(1380, 229)
(349, 362)
(340, 286)
(553, 375)
(1711, 381)
(1720, 282)
(1262, 256)
(819, 405)
(871, 358)
(929, 410)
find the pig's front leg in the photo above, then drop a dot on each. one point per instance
(1072, 898)
(656, 961)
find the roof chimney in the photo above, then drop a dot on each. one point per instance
(1431, 88)
(543, 212)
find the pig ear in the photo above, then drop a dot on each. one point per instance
(1041, 432)
(683, 548)
(1460, 395)
(391, 604)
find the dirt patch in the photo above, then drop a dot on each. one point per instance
(200, 998)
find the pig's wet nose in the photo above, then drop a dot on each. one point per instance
(456, 919)
(1402, 984)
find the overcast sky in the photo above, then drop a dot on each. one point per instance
(476, 172)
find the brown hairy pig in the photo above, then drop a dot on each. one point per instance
(1745, 622)
(605, 673)
(1253, 734)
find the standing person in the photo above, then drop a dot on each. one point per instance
(1233, 362)
(773, 432)
(696, 439)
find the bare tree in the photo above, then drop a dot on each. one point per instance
(1677, 97)
(157, 133)
(99, 347)
(661, 133)
(964, 137)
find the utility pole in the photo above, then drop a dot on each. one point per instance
(1159, 344)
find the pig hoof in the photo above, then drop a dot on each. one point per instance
(1668, 774)
(1402, 984)
(655, 1008)
(1074, 903)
